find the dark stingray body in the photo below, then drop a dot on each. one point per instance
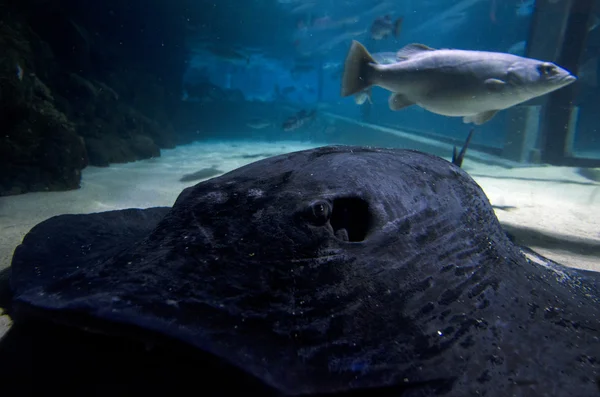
(325, 271)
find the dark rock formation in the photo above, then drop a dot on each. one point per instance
(39, 146)
(85, 82)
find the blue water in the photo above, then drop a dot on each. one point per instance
(277, 36)
(121, 104)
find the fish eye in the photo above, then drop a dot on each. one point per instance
(546, 69)
(319, 212)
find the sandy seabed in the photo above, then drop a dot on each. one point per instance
(550, 201)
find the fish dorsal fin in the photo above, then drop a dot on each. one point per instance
(410, 50)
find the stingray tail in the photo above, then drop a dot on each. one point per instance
(357, 70)
(457, 159)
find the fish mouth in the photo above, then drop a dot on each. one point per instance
(568, 79)
(561, 81)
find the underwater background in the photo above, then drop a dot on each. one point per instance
(123, 103)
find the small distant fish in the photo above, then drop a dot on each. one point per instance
(298, 120)
(474, 85)
(228, 54)
(331, 65)
(303, 7)
(327, 23)
(257, 155)
(383, 27)
(19, 72)
(525, 8)
(204, 173)
(258, 123)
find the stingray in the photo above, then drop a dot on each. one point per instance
(325, 271)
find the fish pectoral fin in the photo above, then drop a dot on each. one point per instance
(369, 92)
(480, 118)
(410, 50)
(494, 85)
(399, 101)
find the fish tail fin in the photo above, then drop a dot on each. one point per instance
(398, 26)
(357, 76)
(369, 91)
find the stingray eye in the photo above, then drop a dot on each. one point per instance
(320, 212)
(546, 69)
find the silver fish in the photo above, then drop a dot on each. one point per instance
(474, 85)
(384, 27)
(258, 123)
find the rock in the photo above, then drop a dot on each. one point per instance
(144, 147)
(68, 93)
(103, 152)
(39, 148)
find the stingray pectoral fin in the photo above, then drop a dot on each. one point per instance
(480, 118)
(62, 244)
(399, 101)
(592, 278)
(588, 280)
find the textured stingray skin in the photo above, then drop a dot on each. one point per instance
(328, 270)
